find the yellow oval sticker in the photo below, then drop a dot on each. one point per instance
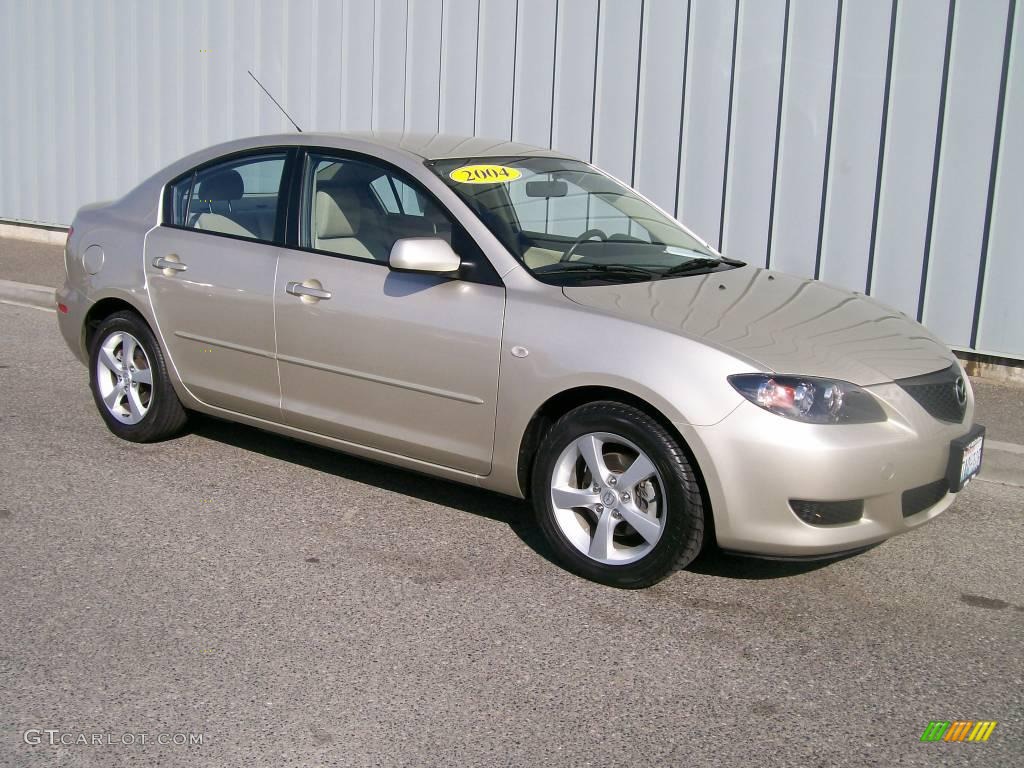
(484, 174)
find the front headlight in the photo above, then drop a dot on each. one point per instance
(806, 398)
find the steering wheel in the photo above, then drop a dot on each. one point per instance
(590, 233)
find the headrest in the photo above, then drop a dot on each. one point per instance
(337, 212)
(222, 187)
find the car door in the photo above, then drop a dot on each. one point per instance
(210, 269)
(400, 362)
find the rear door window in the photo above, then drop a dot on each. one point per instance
(238, 198)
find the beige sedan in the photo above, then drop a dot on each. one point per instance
(512, 318)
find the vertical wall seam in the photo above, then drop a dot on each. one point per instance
(515, 57)
(554, 74)
(828, 141)
(778, 137)
(476, 71)
(993, 172)
(204, 63)
(405, 72)
(313, 81)
(682, 107)
(373, 65)
(728, 125)
(593, 103)
(880, 165)
(440, 63)
(636, 102)
(940, 125)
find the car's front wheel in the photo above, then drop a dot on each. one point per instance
(129, 381)
(616, 497)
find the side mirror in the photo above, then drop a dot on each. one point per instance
(432, 255)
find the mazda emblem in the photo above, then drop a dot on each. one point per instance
(961, 391)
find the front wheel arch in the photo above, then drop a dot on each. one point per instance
(560, 404)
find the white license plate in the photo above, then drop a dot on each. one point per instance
(971, 462)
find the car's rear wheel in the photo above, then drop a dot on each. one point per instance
(129, 381)
(616, 496)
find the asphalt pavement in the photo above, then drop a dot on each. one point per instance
(295, 606)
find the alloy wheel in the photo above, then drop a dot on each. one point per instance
(124, 378)
(608, 498)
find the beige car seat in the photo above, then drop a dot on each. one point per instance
(337, 218)
(219, 192)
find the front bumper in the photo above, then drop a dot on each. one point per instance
(754, 462)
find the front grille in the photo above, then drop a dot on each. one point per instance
(937, 393)
(828, 512)
(919, 499)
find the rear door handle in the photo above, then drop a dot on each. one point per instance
(169, 264)
(300, 289)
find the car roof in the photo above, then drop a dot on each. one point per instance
(426, 146)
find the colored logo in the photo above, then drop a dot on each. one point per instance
(958, 730)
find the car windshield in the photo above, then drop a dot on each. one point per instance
(566, 221)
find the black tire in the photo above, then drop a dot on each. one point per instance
(684, 526)
(165, 416)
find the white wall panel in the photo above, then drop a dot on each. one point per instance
(1001, 325)
(755, 111)
(662, 65)
(389, 51)
(706, 120)
(909, 152)
(48, 205)
(496, 68)
(975, 65)
(233, 49)
(802, 135)
(459, 66)
(146, 103)
(575, 67)
(13, 143)
(691, 99)
(423, 70)
(327, 61)
(30, 105)
(357, 31)
(616, 104)
(299, 62)
(856, 131)
(535, 62)
(220, 64)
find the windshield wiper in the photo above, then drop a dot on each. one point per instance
(604, 269)
(691, 266)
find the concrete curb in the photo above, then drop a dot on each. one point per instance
(26, 293)
(36, 233)
(1003, 463)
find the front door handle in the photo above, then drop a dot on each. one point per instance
(169, 264)
(308, 292)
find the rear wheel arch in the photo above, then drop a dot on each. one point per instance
(100, 311)
(560, 404)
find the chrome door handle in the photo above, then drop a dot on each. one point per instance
(160, 262)
(298, 289)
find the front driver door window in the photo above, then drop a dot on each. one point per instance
(395, 362)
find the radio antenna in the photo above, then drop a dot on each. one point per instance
(275, 101)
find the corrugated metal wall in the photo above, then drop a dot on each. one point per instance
(878, 144)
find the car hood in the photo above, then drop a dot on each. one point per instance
(779, 322)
